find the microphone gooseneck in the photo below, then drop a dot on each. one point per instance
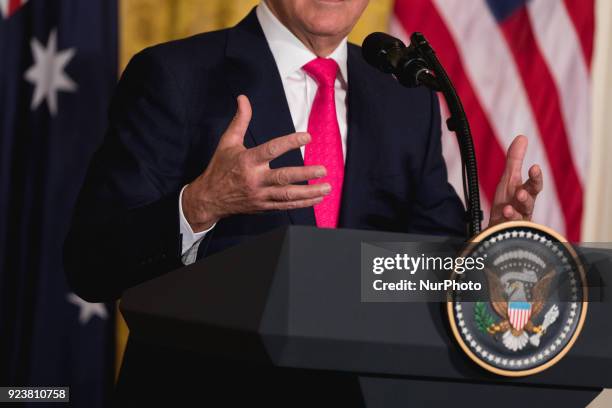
(418, 65)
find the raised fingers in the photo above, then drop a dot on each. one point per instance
(511, 214)
(290, 175)
(523, 202)
(297, 192)
(278, 146)
(525, 196)
(515, 156)
(234, 134)
(535, 183)
(292, 205)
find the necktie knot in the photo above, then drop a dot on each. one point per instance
(322, 70)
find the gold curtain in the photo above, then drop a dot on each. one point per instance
(147, 22)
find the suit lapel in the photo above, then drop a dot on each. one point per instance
(361, 145)
(251, 70)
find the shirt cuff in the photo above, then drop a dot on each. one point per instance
(189, 237)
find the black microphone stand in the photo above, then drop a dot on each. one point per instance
(457, 123)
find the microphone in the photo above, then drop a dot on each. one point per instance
(418, 65)
(390, 55)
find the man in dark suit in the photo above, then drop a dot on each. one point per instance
(177, 178)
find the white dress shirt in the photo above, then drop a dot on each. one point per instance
(290, 55)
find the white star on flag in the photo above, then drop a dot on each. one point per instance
(87, 310)
(47, 73)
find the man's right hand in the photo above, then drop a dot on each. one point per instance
(239, 180)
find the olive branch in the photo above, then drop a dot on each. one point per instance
(483, 318)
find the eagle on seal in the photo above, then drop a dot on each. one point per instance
(518, 298)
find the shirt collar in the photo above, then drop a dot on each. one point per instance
(289, 52)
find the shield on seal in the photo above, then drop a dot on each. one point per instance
(519, 314)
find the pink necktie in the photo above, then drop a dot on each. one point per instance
(326, 147)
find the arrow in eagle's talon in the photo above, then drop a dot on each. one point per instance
(550, 317)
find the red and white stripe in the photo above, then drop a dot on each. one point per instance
(519, 317)
(528, 75)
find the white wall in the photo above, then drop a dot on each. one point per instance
(597, 225)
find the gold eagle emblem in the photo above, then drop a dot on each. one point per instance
(518, 298)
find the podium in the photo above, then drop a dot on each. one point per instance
(291, 299)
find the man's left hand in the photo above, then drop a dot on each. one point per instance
(514, 199)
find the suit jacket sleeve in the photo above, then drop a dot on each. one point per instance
(126, 224)
(437, 209)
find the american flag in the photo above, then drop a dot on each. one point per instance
(520, 67)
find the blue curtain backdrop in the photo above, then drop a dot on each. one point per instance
(58, 67)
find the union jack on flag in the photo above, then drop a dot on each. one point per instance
(57, 74)
(520, 67)
(9, 7)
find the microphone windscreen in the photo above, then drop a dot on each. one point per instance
(376, 49)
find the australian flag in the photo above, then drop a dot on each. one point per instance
(58, 67)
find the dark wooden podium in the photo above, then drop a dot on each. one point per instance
(269, 304)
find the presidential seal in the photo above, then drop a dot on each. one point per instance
(535, 303)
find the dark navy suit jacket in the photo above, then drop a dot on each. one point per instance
(171, 106)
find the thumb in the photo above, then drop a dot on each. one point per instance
(516, 154)
(234, 134)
